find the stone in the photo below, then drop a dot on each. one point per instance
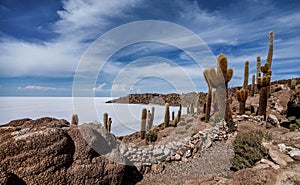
(177, 157)
(184, 159)
(53, 152)
(273, 120)
(293, 106)
(167, 151)
(278, 157)
(261, 166)
(270, 163)
(158, 168)
(188, 154)
(157, 151)
(295, 154)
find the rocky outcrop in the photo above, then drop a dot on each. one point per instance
(161, 99)
(51, 151)
(294, 106)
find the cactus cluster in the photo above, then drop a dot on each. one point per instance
(75, 119)
(241, 96)
(215, 79)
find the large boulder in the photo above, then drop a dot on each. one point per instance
(51, 151)
(293, 106)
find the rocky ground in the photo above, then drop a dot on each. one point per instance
(51, 151)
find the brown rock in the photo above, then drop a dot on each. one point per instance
(50, 151)
(277, 156)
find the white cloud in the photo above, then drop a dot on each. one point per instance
(39, 88)
(99, 88)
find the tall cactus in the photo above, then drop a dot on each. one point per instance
(227, 75)
(253, 86)
(263, 84)
(177, 119)
(143, 123)
(105, 119)
(241, 96)
(258, 66)
(152, 117)
(167, 116)
(246, 75)
(270, 52)
(149, 120)
(192, 108)
(75, 119)
(210, 78)
(109, 124)
(188, 109)
(173, 115)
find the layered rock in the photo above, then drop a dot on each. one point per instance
(51, 151)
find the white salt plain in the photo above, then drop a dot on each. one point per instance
(126, 117)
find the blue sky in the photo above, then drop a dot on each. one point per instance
(42, 42)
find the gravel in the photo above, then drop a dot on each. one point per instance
(215, 159)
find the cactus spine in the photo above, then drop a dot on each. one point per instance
(105, 119)
(241, 96)
(109, 124)
(149, 116)
(253, 86)
(143, 123)
(75, 119)
(167, 116)
(246, 75)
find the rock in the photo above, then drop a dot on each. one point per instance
(53, 152)
(293, 106)
(270, 163)
(273, 120)
(177, 157)
(157, 151)
(277, 156)
(158, 168)
(261, 166)
(295, 154)
(167, 151)
(188, 154)
(184, 159)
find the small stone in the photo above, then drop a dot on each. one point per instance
(177, 157)
(188, 154)
(273, 120)
(166, 151)
(185, 160)
(295, 154)
(158, 168)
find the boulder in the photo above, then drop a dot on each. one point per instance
(277, 156)
(273, 120)
(51, 151)
(293, 106)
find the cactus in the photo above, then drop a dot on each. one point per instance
(246, 75)
(109, 124)
(152, 117)
(105, 119)
(207, 76)
(270, 52)
(192, 109)
(253, 86)
(263, 84)
(241, 96)
(188, 109)
(75, 119)
(173, 115)
(143, 123)
(149, 120)
(227, 74)
(167, 116)
(258, 66)
(177, 119)
(293, 84)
